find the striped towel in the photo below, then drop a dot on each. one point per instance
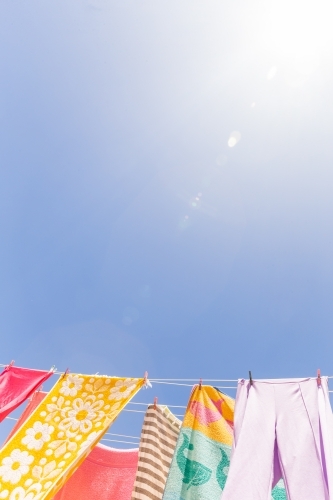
(157, 444)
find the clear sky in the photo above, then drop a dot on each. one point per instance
(166, 186)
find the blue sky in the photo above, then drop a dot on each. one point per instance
(135, 235)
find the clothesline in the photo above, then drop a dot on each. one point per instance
(191, 380)
(188, 385)
(171, 381)
(147, 404)
(142, 411)
(206, 404)
(106, 434)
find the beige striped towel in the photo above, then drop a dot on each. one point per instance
(157, 444)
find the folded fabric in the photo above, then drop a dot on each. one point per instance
(105, 474)
(282, 428)
(16, 385)
(37, 461)
(158, 440)
(34, 401)
(201, 461)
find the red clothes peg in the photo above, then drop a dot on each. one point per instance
(318, 378)
(155, 403)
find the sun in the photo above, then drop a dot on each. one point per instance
(298, 30)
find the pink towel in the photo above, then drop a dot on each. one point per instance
(36, 398)
(106, 474)
(16, 385)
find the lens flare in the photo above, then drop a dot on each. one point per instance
(234, 138)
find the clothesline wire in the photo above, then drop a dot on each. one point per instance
(187, 385)
(142, 411)
(106, 434)
(121, 435)
(159, 380)
(190, 380)
(125, 409)
(56, 372)
(149, 404)
(119, 441)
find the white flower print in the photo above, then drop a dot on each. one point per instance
(16, 465)
(81, 415)
(32, 493)
(122, 389)
(37, 435)
(92, 436)
(111, 411)
(71, 385)
(54, 408)
(4, 493)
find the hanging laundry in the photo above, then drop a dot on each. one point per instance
(201, 461)
(282, 427)
(105, 474)
(37, 461)
(158, 440)
(35, 400)
(16, 385)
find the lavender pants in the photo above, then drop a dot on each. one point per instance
(282, 428)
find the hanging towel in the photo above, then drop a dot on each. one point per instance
(16, 385)
(105, 474)
(201, 461)
(36, 462)
(282, 427)
(34, 401)
(158, 440)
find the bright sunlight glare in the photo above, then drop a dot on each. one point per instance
(300, 30)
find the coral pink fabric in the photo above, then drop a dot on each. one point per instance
(35, 400)
(106, 474)
(16, 385)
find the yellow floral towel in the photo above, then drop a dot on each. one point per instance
(59, 434)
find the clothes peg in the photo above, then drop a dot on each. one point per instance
(11, 363)
(155, 403)
(200, 384)
(53, 368)
(146, 382)
(65, 373)
(250, 377)
(318, 378)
